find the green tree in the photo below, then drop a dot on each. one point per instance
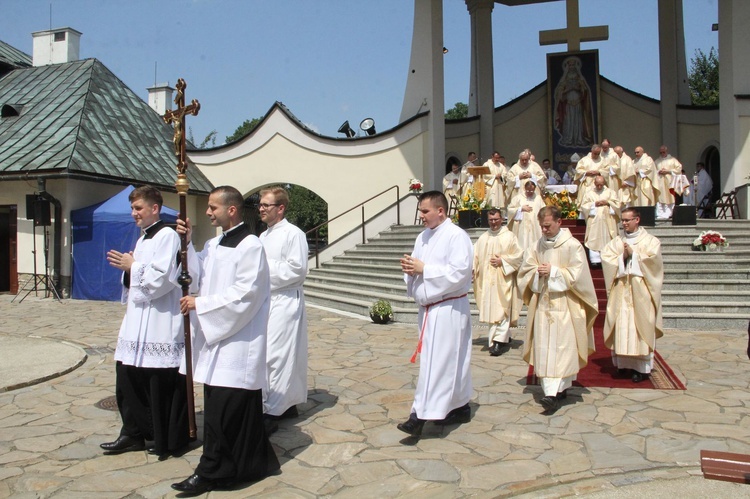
(307, 210)
(703, 78)
(208, 141)
(242, 130)
(460, 110)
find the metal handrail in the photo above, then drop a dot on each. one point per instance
(316, 229)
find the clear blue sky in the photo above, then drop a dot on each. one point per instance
(334, 60)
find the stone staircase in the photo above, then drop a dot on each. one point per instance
(702, 290)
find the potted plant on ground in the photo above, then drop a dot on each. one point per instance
(381, 312)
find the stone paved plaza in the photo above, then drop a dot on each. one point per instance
(601, 443)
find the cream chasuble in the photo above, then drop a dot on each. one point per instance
(524, 224)
(663, 182)
(601, 221)
(495, 287)
(561, 308)
(634, 318)
(644, 174)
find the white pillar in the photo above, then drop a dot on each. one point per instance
(672, 70)
(425, 89)
(482, 85)
(734, 97)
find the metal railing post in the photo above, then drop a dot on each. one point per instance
(363, 225)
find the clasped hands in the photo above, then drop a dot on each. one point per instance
(411, 265)
(544, 270)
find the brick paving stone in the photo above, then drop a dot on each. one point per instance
(345, 443)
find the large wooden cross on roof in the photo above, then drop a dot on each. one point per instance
(574, 33)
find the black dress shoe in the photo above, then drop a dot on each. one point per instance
(622, 373)
(562, 395)
(194, 485)
(124, 443)
(290, 413)
(550, 404)
(413, 426)
(498, 348)
(459, 415)
(271, 424)
(638, 377)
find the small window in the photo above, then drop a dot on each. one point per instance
(9, 111)
(60, 36)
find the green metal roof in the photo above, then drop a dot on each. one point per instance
(12, 58)
(79, 120)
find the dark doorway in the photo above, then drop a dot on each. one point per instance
(8, 252)
(712, 162)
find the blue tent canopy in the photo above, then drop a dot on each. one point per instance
(97, 229)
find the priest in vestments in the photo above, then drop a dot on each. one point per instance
(497, 257)
(150, 392)
(627, 176)
(495, 181)
(611, 167)
(287, 253)
(587, 168)
(522, 216)
(645, 191)
(556, 285)
(634, 275)
(524, 171)
(229, 320)
(600, 207)
(452, 181)
(438, 277)
(667, 168)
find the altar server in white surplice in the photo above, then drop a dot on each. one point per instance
(556, 284)
(634, 275)
(229, 319)
(149, 389)
(438, 277)
(286, 250)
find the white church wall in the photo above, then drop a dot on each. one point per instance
(523, 125)
(343, 172)
(693, 140)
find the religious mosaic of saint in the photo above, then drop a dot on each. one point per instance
(573, 109)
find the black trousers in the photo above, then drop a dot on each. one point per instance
(153, 405)
(235, 444)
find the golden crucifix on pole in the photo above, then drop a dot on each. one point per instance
(177, 118)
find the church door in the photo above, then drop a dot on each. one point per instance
(712, 162)
(8, 249)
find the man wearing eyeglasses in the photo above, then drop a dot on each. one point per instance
(286, 358)
(634, 274)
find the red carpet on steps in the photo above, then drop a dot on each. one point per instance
(600, 371)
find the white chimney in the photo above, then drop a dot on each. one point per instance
(56, 46)
(160, 98)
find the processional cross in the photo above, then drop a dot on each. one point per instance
(177, 118)
(574, 33)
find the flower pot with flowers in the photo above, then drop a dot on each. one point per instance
(469, 210)
(381, 312)
(564, 201)
(710, 240)
(415, 186)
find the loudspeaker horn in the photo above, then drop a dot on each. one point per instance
(347, 130)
